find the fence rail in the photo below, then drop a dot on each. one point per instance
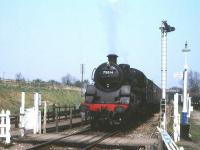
(63, 113)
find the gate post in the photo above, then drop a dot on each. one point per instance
(37, 113)
(45, 117)
(7, 127)
(22, 113)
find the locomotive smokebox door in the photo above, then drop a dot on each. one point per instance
(109, 76)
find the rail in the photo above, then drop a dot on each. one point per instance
(36, 147)
(99, 140)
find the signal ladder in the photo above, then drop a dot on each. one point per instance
(163, 114)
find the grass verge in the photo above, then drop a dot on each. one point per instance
(10, 96)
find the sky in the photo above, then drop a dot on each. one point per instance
(48, 39)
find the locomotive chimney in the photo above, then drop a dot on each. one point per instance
(112, 58)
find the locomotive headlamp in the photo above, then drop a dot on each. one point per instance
(119, 109)
(83, 108)
(125, 100)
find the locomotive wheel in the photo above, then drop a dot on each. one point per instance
(93, 123)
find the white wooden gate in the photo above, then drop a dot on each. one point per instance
(30, 118)
(5, 126)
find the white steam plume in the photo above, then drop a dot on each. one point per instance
(111, 14)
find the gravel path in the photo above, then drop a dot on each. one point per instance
(147, 129)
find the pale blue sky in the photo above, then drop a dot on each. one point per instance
(48, 39)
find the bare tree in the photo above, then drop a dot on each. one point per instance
(67, 80)
(194, 82)
(71, 80)
(53, 82)
(19, 77)
(77, 83)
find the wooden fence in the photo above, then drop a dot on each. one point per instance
(196, 102)
(62, 112)
(54, 113)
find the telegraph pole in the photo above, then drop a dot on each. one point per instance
(165, 28)
(82, 73)
(3, 76)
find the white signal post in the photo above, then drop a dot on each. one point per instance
(164, 64)
(184, 119)
(165, 28)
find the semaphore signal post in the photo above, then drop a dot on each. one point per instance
(165, 28)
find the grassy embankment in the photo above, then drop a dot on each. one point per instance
(194, 126)
(10, 96)
(195, 129)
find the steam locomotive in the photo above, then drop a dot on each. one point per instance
(119, 93)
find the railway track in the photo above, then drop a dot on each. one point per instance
(85, 138)
(99, 140)
(74, 132)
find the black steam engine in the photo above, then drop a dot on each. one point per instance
(119, 93)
